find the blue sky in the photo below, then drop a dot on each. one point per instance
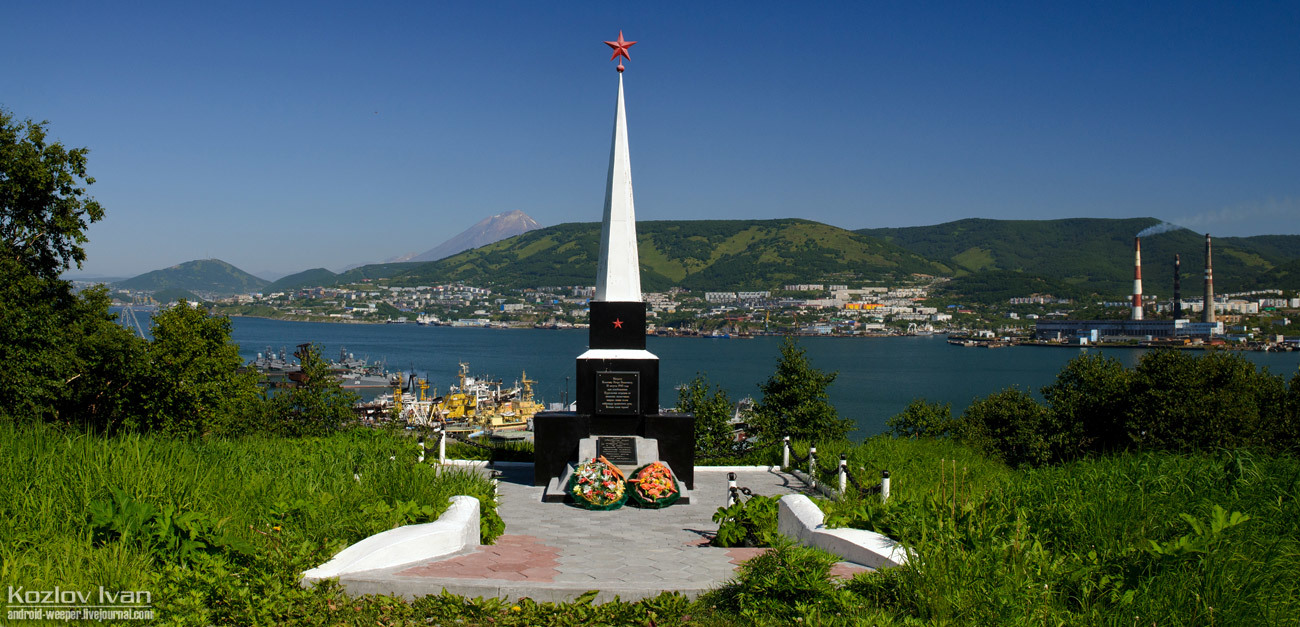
(280, 137)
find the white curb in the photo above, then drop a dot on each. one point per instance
(455, 530)
(800, 519)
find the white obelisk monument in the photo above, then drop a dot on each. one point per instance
(617, 390)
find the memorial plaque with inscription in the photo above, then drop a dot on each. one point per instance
(617, 393)
(620, 451)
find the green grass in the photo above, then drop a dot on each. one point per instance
(1145, 538)
(278, 506)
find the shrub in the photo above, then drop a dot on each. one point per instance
(1012, 427)
(785, 583)
(922, 420)
(316, 405)
(747, 523)
(1219, 399)
(1089, 400)
(714, 436)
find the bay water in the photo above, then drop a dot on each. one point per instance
(877, 377)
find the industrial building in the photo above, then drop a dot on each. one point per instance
(1097, 330)
(1136, 327)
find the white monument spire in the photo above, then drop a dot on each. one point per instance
(619, 276)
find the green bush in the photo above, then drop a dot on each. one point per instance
(922, 420)
(1184, 403)
(750, 522)
(786, 584)
(1012, 427)
(316, 405)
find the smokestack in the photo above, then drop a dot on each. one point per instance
(1178, 288)
(1209, 284)
(1137, 278)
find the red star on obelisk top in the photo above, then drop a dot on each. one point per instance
(620, 49)
(618, 324)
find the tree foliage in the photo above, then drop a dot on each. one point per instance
(44, 210)
(714, 436)
(795, 401)
(921, 419)
(1012, 427)
(1180, 402)
(1090, 399)
(194, 383)
(1171, 401)
(65, 359)
(316, 405)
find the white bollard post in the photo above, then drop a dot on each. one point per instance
(844, 474)
(731, 489)
(421, 449)
(785, 453)
(884, 486)
(442, 447)
(812, 466)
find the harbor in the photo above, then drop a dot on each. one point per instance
(877, 378)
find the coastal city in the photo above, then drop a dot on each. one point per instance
(1256, 319)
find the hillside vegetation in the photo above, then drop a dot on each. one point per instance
(307, 278)
(211, 276)
(695, 254)
(1096, 255)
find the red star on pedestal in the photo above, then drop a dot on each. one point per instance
(618, 324)
(620, 49)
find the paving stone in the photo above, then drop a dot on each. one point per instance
(556, 552)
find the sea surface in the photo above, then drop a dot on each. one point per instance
(877, 377)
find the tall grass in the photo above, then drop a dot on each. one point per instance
(313, 495)
(1146, 538)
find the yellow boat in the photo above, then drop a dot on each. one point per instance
(514, 414)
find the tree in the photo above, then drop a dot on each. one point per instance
(1010, 426)
(1089, 400)
(714, 436)
(922, 420)
(196, 383)
(317, 405)
(64, 358)
(795, 402)
(1219, 399)
(43, 207)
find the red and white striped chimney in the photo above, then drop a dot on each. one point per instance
(1137, 278)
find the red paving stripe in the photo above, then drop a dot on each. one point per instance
(743, 554)
(846, 570)
(512, 558)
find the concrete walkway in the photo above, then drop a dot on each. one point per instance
(556, 552)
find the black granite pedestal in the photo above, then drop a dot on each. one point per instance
(617, 395)
(556, 435)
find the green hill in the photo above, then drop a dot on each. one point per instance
(376, 271)
(694, 254)
(203, 276)
(1086, 255)
(307, 278)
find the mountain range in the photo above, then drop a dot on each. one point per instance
(987, 259)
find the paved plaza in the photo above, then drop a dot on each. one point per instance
(556, 552)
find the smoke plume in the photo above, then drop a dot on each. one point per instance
(1156, 229)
